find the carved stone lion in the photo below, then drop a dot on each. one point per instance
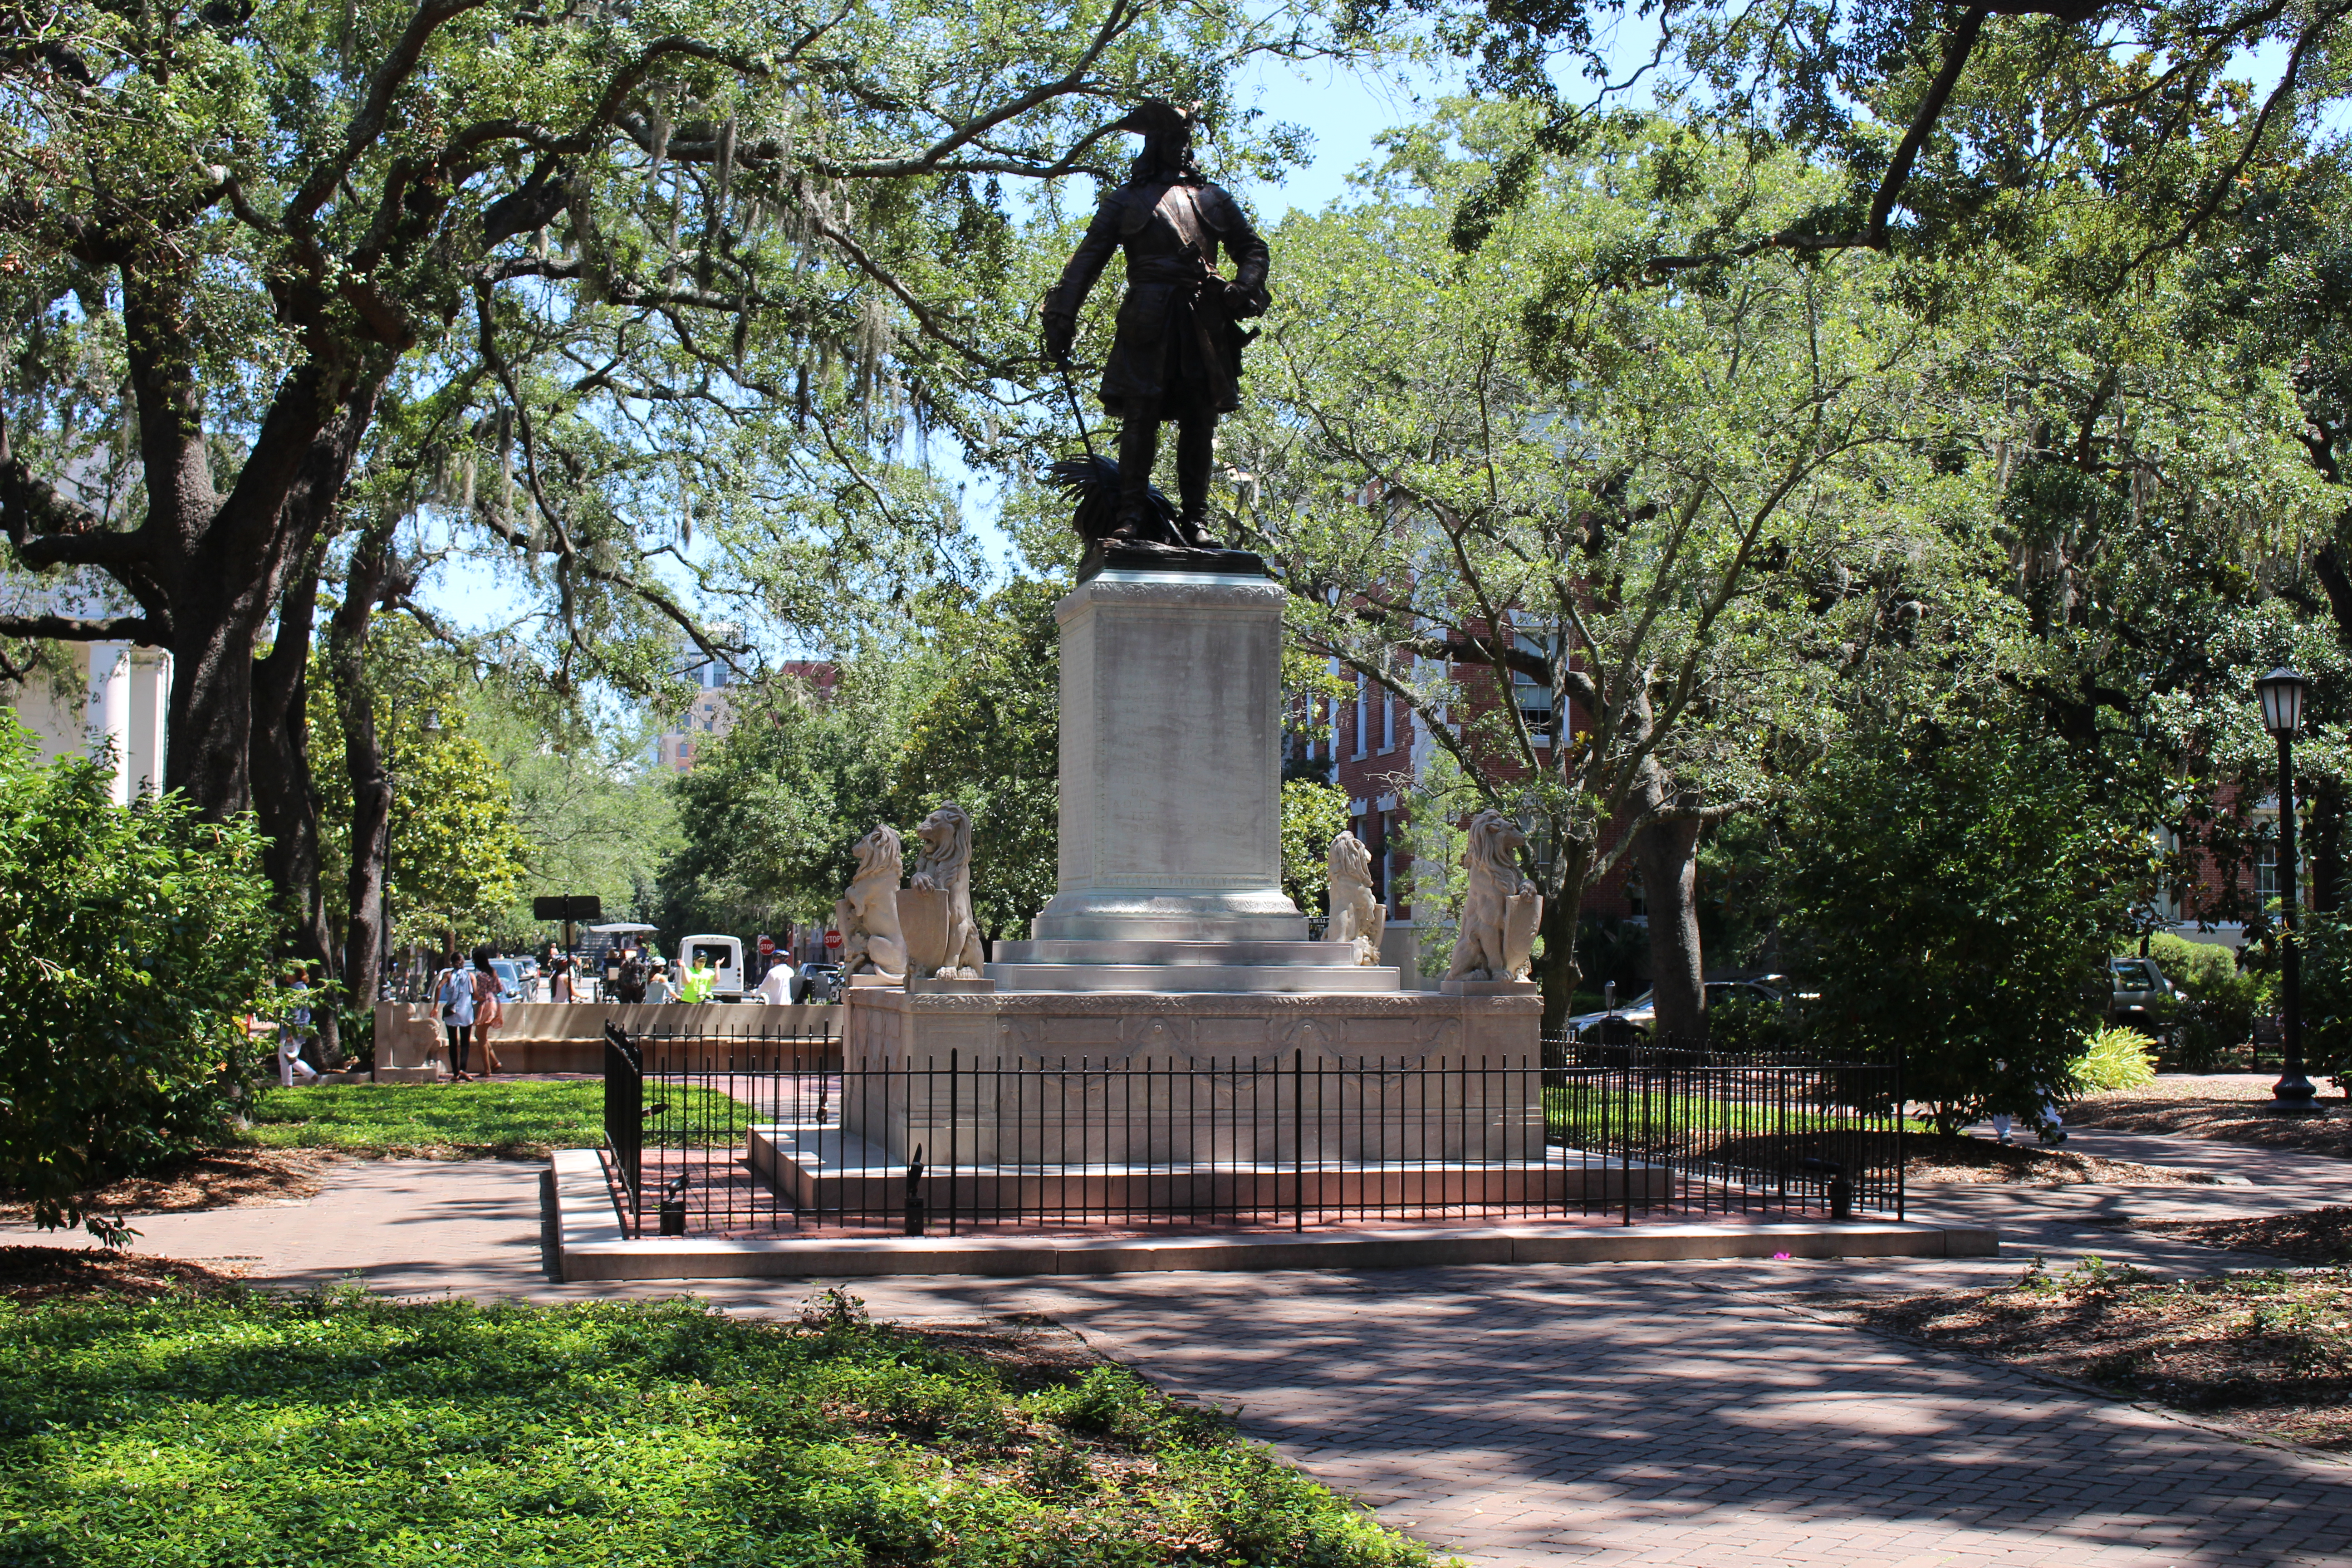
(945, 866)
(1356, 915)
(1499, 916)
(871, 939)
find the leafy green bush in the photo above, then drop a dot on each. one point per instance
(2326, 950)
(1313, 814)
(137, 941)
(1952, 898)
(1744, 1023)
(343, 1427)
(2114, 1057)
(2218, 1005)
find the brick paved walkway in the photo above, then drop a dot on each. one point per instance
(1636, 1414)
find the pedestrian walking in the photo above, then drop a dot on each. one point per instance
(489, 1009)
(631, 982)
(559, 985)
(455, 994)
(293, 1032)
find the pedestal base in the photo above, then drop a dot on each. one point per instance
(1135, 1078)
(1489, 988)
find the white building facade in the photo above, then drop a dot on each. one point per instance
(114, 701)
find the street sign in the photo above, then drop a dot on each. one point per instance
(767, 945)
(568, 907)
(833, 939)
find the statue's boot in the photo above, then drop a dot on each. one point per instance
(1193, 533)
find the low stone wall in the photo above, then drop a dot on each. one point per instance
(551, 1037)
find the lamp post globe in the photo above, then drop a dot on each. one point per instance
(2282, 693)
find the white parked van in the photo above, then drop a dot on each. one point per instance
(724, 954)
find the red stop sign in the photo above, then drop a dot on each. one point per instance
(833, 939)
(767, 944)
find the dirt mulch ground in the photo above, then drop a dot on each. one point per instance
(2317, 1236)
(1981, 1159)
(223, 1178)
(2268, 1354)
(2225, 1107)
(31, 1274)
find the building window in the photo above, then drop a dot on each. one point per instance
(1534, 697)
(1363, 713)
(1388, 721)
(1380, 849)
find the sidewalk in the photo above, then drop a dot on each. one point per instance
(1634, 1414)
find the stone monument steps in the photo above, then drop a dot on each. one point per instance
(826, 1169)
(1284, 979)
(1133, 951)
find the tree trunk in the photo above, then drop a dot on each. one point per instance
(1555, 968)
(363, 761)
(285, 792)
(2327, 843)
(1668, 853)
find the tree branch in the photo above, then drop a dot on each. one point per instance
(77, 629)
(367, 122)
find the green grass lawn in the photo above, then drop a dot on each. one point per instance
(509, 1119)
(525, 1118)
(245, 1430)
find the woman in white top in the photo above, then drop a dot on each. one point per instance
(456, 994)
(658, 987)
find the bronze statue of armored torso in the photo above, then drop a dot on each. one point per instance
(1178, 352)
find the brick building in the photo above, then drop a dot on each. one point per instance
(711, 712)
(1373, 745)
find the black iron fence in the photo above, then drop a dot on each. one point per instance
(770, 1135)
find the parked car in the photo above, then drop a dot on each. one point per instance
(2138, 990)
(1641, 1014)
(819, 983)
(511, 980)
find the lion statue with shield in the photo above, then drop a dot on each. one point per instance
(1499, 916)
(867, 914)
(1356, 916)
(944, 869)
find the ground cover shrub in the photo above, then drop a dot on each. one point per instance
(2114, 1057)
(138, 939)
(340, 1427)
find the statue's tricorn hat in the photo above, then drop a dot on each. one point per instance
(1156, 117)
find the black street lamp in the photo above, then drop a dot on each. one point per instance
(2282, 692)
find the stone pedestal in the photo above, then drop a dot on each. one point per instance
(1170, 874)
(1172, 803)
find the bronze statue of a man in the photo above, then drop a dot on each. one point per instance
(1178, 355)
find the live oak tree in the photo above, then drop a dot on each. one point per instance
(1953, 127)
(576, 277)
(1648, 525)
